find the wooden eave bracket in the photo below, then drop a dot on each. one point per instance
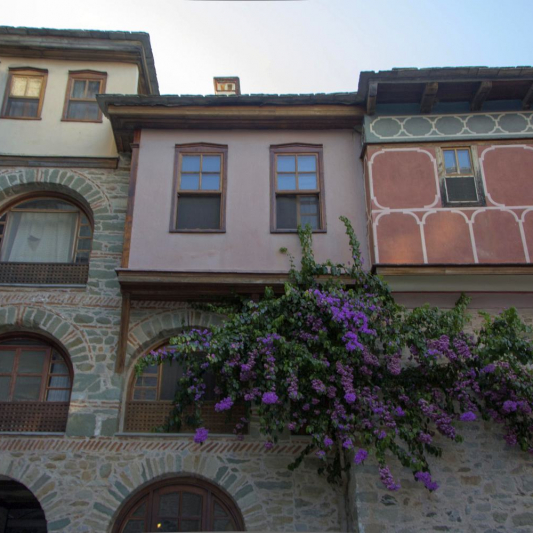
(372, 97)
(429, 97)
(528, 99)
(481, 95)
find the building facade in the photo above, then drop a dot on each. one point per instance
(119, 213)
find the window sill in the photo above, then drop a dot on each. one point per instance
(184, 436)
(82, 121)
(35, 433)
(296, 231)
(20, 118)
(197, 231)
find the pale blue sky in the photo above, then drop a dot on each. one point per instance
(299, 46)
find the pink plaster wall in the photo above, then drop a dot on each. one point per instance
(247, 245)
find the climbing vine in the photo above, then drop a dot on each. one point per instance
(336, 358)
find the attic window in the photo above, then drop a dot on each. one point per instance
(227, 86)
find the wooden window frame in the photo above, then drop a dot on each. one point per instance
(86, 75)
(25, 71)
(199, 149)
(150, 495)
(297, 149)
(475, 174)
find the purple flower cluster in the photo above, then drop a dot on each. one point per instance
(269, 398)
(387, 479)
(425, 477)
(360, 456)
(201, 435)
(224, 405)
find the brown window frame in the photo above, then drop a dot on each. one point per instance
(85, 75)
(150, 496)
(297, 149)
(475, 174)
(199, 149)
(25, 71)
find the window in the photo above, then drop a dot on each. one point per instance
(297, 184)
(80, 100)
(150, 401)
(460, 182)
(35, 385)
(44, 240)
(180, 504)
(24, 94)
(200, 188)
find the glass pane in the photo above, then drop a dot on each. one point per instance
(190, 182)
(153, 369)
(18, 86)
(139, 512)
(85, 231)
(196, 212)
(93, 89)
(191, 504)
(83, 110)
(286, 163)
(219, 510)
(309, 211)
(134, 526)
(463, 156)
(22, 108)
(31, 362)
(169, 505)
(286, 212)
(190, 525)
(461, 189)
(58, 396)
(27, 388)
(145, 394)
(167, 525)
(78, 89)
(4, 388)
(170, 374)
(59, 382)
(286, 182)
(84, 244)
(33, 88)
(223, 524)
(6, 360)
(58, 368)
(46, 204)
(211, 163)
(210, 182)
(306, 163)
(190, 163)
(449, 161)
(146, 382)
(307, 181)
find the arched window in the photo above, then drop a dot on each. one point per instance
(35, 386)
(20, 511)
(44, 240)
(181, 504)
(150, 401)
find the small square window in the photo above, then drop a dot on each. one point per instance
(80, 98)
(199, 190)
(460, 182)
(297, 188)
(24, 94)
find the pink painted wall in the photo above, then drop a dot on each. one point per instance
(410, 224)
(247, 245)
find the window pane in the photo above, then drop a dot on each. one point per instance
(223, 524)
(84, 244)
(195, 212)
(286, 182)
(47, 203)
(93, 89)
(170, 374)
(449, 161)
(190, 525)
(463, 156)
(78, 89)
(18, 86)
(145, 394)
(31, 362)
(286, 163)
(4, 388)
(85, 231)
(191, 504)
(22, 108)
(219, 510)
(6, 360)
(211, 163)
(286, 217)
(309, 211)
(58, 396)
(168, 525)
(139, 512)
(143, 381)
(461, 189)
(58, 368)
(190, 163)
(190, 182)
(169, 504)
(307, 181)
(27, 388)
(83, 110)
(40, 237)
(210, 182)
(134, 526)
(59, 382)
(306, 163)
(33, 88)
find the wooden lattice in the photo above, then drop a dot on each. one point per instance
(44, 273)
(145, 416)
(33, 416)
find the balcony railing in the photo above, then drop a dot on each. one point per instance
(33, 416)
(44, 273)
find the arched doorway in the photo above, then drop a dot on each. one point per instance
(20, 511)
(180, 504)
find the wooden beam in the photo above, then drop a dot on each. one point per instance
(124, 331)
(481, 95)
(372, 97)
(429, 97)
(58, 162)
(528, 99)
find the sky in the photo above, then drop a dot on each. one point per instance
(299, 46)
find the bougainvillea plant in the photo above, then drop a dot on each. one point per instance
(334, 357)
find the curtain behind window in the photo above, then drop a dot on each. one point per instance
(40, 237)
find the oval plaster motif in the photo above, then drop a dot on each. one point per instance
(449, 125)
(481, 124)
(417, 126)
(513, 123)
(386, 127)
